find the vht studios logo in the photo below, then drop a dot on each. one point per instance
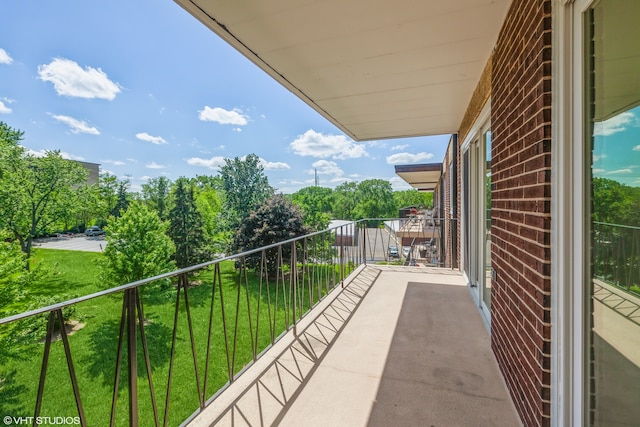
(41, 421)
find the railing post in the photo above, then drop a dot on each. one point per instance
(294, 284)
(131, 297)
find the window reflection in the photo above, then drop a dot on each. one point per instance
(614, 367)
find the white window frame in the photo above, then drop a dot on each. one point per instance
(476, 132)
(569, 380)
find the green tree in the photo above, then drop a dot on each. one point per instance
(108, 190)
(246, 187)
(36, 193)
(137, 246)
(374, 199)
(186, 228)
(122, 199)
(90, 205)
(209, 201)
(344, 200)
(412, 197)
(275, 221)
(10, 150)
(316, 204)
(155, 194)
(612, 202)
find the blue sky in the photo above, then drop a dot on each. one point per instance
(616, 148)
(145, 90)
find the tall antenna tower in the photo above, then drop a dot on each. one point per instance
(317, 180)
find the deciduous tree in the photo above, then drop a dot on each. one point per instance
(374, 199)
(316, 204)
(246, 187)
(35, 192)
(137, 246)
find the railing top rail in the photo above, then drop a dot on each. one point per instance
(617, 225)
(174, 273)
(167, 275)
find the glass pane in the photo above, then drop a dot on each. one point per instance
(615, 218)
(486, 292)
(465, 213)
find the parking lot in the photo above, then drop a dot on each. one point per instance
(77, 242)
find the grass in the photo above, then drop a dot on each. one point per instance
(94, 346)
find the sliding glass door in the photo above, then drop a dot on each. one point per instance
(613, 140)
(476, 215)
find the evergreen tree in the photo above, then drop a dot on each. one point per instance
(122, 201)
(186, 227)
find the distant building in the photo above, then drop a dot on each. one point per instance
(94, 172)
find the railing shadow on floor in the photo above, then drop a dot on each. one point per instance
(263, 398)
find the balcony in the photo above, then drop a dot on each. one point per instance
(318, 330)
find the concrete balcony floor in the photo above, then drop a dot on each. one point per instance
(397, 346)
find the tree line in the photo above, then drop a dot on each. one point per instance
(200, 216)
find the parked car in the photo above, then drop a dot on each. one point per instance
(392, 252)
(406, 250)
(94, 230)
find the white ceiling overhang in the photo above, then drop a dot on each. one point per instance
(375, 69)
(424, 177)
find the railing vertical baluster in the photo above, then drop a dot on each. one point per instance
(116, 379)
(246, 287)
(147, 359)
(132, 348)
(243, 268)
(45, 363)
(305, 271)
(72, 373)
(207, 358)
(294, 285)
(264, 269)
(172, 356)
(225, 329)
(185, 280)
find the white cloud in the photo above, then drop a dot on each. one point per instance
(149, 138)
(315, 144)
(598, 157)
(619, 171)
(114, 162)
(70, 79)
(154, 165)
(212, 163)
(77, 126)
(408, 158)
(222, 116)
(326, 167)
(4, 109)
(42, 153)
(636, 148)
(144, 178)
(237, 130)
(615, 124)
(4, 57)
(399, 147)
(270, 166)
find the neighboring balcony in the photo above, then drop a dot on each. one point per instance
(320, 330)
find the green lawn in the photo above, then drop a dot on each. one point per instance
(94, 346)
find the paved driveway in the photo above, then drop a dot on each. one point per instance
(73, 243)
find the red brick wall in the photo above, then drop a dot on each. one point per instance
(521, 221)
